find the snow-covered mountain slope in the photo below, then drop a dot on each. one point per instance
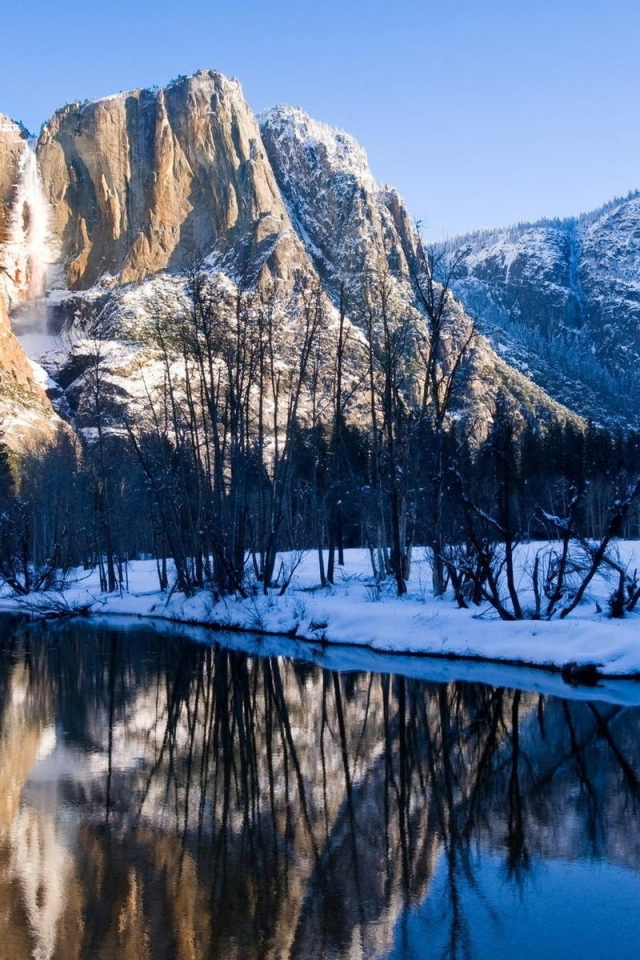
(355, 228)
(351, 225)
(561, 299)
(141, 185)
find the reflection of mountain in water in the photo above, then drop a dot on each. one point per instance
(160, 799)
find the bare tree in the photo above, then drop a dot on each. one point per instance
(445, 346)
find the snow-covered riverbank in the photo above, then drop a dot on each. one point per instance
(355, 612)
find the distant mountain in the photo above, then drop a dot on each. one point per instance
(561, 301)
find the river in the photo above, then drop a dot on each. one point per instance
(166, 798)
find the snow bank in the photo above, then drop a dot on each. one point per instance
(355, 613)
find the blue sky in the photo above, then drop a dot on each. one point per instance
(481, 112)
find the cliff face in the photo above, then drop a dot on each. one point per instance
(13, 150)
(12, 147)
(154, 179)
(25, 410)
(351, 225)
(24, 407)
(563, 300)
(150, 180)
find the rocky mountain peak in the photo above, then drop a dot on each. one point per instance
(153, 179)
(293, 131)
(140, 185)
(351, 225)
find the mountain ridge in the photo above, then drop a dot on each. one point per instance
(563, 296)
(144, 183)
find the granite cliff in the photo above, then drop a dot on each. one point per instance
(154, 179)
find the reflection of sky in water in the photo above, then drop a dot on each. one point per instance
(560, 911)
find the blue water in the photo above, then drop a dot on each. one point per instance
(584, 909)
(167, 798)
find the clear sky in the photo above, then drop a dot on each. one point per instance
(481, 112)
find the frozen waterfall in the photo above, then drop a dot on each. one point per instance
(28, 252)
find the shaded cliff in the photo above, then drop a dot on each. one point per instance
(12, 146)
(351, 224)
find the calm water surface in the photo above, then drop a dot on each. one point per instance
(162, 799)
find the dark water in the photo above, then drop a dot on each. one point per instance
(161, 798)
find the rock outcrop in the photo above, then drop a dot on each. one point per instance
(12, 147)
(24, 407)
(156, 179)
(351, 225)
(26, 413)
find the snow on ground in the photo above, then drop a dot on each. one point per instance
(355, 613)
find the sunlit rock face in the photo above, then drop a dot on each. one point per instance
(17, 383)
(125, 193)
(144, 184)
(154, 179)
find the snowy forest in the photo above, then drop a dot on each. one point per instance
(362, 437)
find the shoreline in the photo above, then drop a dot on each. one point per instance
(547, 680)
(345, 616)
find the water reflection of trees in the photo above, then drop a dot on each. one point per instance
(228, 806)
